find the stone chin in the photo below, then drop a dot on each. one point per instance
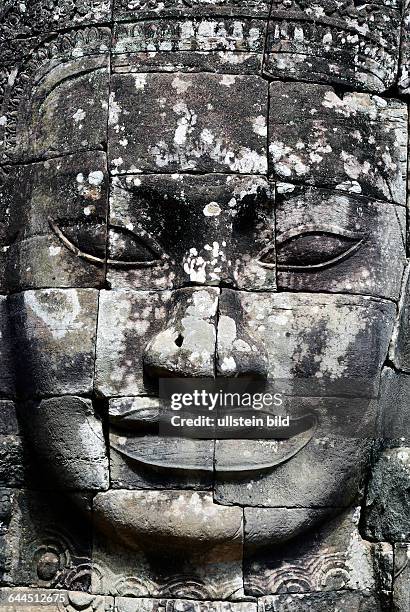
(167, 519)
(179, 520)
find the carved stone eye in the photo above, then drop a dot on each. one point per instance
(130, 249)
(126, 248)
(310, 250)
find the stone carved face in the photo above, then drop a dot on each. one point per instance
(225, 223)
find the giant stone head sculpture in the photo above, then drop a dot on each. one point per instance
(204, 190)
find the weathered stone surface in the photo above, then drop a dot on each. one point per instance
(53, 340)
(159, 218)
(272, 526)
(343, 43)
(215, 573)
(134, 413)
(239, 352)
(12, 461)
(66, 436)
(337, 242)
(401, 591)
(66, 77)
(6, 508)
(222, 62)
(8, 419)
(404, 67)
(322, 471)
(141, 9)
(399, 351)
(333, 558)
(46, 544)
(41, 262)
(304, 334)
(5, 233)
(40, 16)
(387, 507)
(320, 602)
(395, 408)
(178, 132)
(145, 518)
(383, 571)
(116, 340)
(172, 334)
(128, 604)
(327, 468)
(353, 142)
(58, 601)
(186, 345)
(183, 545)
(189, 97)
(67, 190)
(6, 352)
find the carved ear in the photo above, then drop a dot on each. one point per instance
(39, 93)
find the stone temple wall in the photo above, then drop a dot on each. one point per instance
(203, 188)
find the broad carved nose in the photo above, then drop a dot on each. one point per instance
(187, 345)
(198, 340)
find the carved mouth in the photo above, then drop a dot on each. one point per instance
(198, 456)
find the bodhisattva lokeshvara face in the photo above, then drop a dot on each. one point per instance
(203, 189)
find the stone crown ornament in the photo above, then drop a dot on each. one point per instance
(352, 43)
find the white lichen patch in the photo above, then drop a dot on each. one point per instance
(352, 167)
(140, 81)
(212, 210)
(181, 84)
(226, 332)
(54, 250)
(117, 163)
(79, 115)
(228, 364)
(207, 136)
(195, 268)
(59, 320)
(114, 110)
(96, 177)
(228, 80)
(188, 151)
(259, 126)
(185, 124)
